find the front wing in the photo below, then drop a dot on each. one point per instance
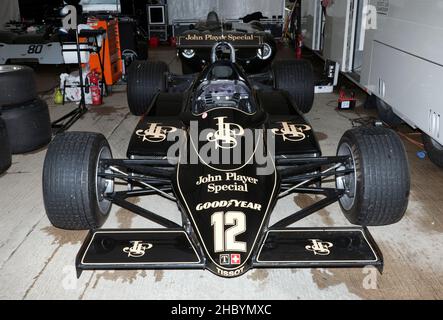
(174, 249)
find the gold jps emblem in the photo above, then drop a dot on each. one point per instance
(155, 132)
(291, 131)
(319, 247)
(225, 136)
(138, 249)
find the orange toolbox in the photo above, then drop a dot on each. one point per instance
(110, 52)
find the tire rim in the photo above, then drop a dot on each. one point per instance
(10, 68)
(348, 181)
(103, 185)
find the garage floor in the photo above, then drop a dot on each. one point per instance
(37, 260)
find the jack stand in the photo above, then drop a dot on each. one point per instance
(65, 122)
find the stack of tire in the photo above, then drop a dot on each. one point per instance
(25, 125)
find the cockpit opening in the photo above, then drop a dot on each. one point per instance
(214, 94)
(222, 88)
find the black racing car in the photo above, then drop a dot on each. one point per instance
(225, 147)
(255, 48)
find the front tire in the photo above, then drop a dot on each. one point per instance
(297, 78)
(377, 191)
(73, 193)
(145, 80)
(433, 149)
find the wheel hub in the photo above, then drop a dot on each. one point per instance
(103, 185)
(347, 181)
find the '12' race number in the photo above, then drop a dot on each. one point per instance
(224, 240)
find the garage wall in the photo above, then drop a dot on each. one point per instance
(9, 10)
(229, 9)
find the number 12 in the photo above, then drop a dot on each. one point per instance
(224, 240)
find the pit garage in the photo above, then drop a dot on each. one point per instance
(125, 127)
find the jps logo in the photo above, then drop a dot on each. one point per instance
(138, 249)
(155, 132)
(292, 132)
(319, 247)
(225, 136)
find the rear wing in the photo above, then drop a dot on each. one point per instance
(207, 40)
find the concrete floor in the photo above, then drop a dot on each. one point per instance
(37, 260)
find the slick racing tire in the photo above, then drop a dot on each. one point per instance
(145, 80)
(17, 85)
(377, 190)
(433, 149)
(28, 125)
(297, 78)
(386, 114)
(5, 150)
(72, 192)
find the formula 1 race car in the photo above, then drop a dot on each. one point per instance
(225, 147)
(255, 48)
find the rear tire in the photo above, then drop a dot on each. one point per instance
(297, 78)
(5, 150)
(433, 149)
(145, 80)
(377, 192)
(72, 192)
(28, 125)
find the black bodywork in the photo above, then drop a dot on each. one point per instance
(255, 48)
(226, 205)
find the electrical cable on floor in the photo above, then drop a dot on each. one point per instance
(369, 121)
(414, 142)
(359, 121)
(355, 122)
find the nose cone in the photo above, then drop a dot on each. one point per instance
(225, 196)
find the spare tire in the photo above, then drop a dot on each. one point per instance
(5, 151)
(297, 78)
(28, 126)
(17, 85)
(145, 80)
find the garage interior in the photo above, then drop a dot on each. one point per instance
(37, 259)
